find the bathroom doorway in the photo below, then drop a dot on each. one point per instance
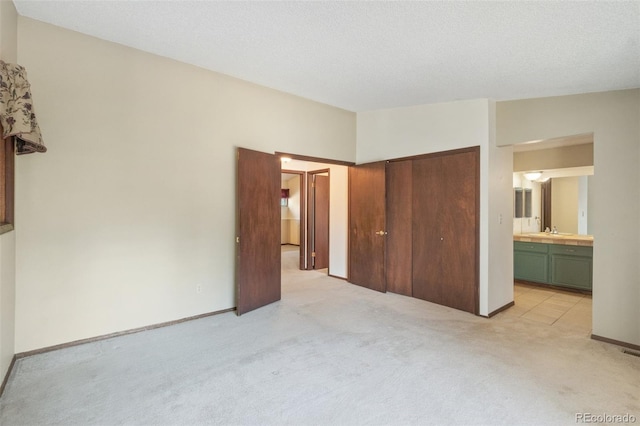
(553, 269)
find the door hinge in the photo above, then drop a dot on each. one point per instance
(238, 240)
(313, 254)
(313, 184)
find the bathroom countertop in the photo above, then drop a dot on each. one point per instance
(566, 239)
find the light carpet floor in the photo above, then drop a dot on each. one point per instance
(329, 353)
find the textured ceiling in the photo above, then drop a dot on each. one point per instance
(372, 55)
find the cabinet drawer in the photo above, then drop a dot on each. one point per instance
(531, 247)
(571, 250)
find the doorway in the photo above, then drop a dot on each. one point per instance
(259, 222)
(305, 212)
(323, 211)
(292, 213)
(553, 269)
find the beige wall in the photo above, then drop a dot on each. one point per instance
(130, 209)
(614, 194)
(8, 47)
(554, 158)
(422, 129)
(564, 204)
(8, 32)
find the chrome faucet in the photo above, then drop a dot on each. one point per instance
(555, 230)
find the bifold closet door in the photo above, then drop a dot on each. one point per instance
(445, 224)
(367, 225)
(399, 196)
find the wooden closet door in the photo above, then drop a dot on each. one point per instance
(446, 229)
(427, 240)
(366, 225)
(398, 256)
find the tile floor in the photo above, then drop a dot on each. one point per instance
(556, 308)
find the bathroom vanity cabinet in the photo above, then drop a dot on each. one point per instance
(555, 264)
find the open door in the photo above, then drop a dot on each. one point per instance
(367, 233)
(320, 225)
(257, 230)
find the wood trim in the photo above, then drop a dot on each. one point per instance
(349, 193)
(313, 159)
(118, 334)
(615, 342)
(7, 171)
(6, 376)
(476, 150)
(497, 311)
(546, 204)
(439, 154)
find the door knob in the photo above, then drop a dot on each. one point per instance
(381, 233)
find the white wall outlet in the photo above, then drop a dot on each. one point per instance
(500, 219)
(199, 288)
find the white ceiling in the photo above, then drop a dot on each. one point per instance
(373, 55)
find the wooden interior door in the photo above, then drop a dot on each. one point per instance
(398, 264)
(427, 280)
(446, 229)
(367, 225)
(320, 222)
(258, 230)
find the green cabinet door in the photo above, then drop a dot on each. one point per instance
(572, 267)
(530, 266)
(531, 261)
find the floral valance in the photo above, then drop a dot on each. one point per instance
(16, 110)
